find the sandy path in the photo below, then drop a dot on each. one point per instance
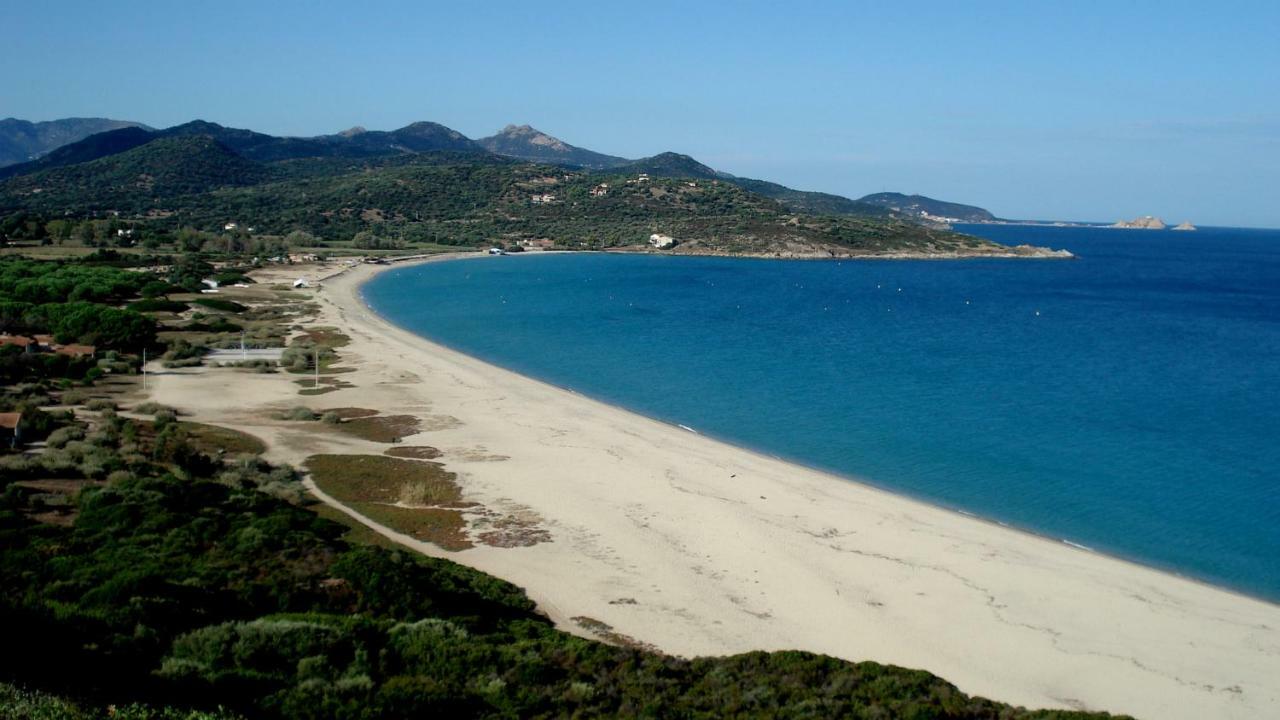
(702, 548)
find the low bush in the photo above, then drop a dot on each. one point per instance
(299, 413)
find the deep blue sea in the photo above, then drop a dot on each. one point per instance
(1128, 401)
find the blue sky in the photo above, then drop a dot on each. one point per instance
(1077, 110)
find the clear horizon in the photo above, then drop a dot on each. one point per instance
(1091, 112)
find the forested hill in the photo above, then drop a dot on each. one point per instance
(927, 207)
(518, 142)
(140, 178)
(21, 140)
(456, 197)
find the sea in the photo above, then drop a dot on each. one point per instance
(1126, 401)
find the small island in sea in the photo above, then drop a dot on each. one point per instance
(1146, 222)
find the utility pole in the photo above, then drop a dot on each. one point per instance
(316, 349)
(144, 368)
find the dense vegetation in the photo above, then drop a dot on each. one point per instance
(155, 568)
(70, 302)
(916, 205)
(188, 582)
(434, 198)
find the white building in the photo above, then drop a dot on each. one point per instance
(661, 242)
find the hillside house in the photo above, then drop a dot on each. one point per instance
(10, 429)
(600, 190)
(28, 344)
(662, 242)
(543, 199)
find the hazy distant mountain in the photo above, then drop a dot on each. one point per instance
(354, 143)
(166, 167)
(927, 208)
(21, 140)
(418, 137)
(527, 143)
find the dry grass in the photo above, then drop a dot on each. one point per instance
(211, 438)
(413, 452)
(380, 487)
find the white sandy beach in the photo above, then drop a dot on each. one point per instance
(698, 547)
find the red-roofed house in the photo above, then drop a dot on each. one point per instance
(9, 428)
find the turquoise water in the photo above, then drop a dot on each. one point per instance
(1128, 401)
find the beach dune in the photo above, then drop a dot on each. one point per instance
(697, 547)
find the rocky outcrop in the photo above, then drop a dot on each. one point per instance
(1146, 222)
(1185, 225)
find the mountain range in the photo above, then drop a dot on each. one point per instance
(73, 141)
(21, 140)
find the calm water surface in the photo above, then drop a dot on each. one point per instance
(1128, 401)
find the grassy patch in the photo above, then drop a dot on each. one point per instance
(208, 439)
(228, 306)
(443, 528)
(413, 452)
(419, 499)
(327, 385)
(382, 428)
(325, 336)
(380, 479)
(211, 438)
(350, 413)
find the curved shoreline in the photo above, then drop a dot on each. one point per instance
(764, 454)
(845, 568)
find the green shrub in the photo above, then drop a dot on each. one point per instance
(152, 407)
(299, 413)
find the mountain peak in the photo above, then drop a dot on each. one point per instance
(671, 164)
(528, 143)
